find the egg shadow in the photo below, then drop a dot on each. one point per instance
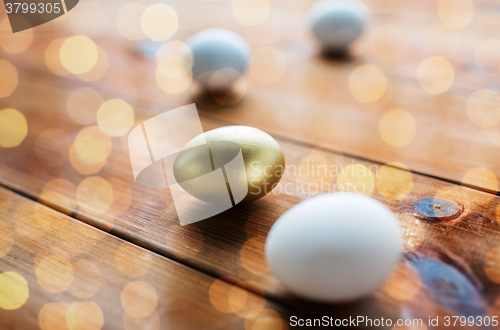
(336, 54)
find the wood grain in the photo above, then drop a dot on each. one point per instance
(94, 280)
(231, 244)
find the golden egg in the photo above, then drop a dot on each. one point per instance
(251, 161)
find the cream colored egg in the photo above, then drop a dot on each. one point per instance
(260, 171)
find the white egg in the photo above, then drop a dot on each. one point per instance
(219, 50)
(337, 23)
(334, 247)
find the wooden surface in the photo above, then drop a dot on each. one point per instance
(313, 115)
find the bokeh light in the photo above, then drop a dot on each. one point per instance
(159, 22)
(404, 283)
(52, 316)
(398, 128)
(132, 261)
(13, 128)
(252, 255)
(115, 117)
(487, 55)
(78, 54)
(14, 43)
(173, 75)
(54, 273)
(23, 221)
(219, 295)
(81, 165)
(94, 195)
(367, 83)
(435, 75)
(9, 79)
(483, 178)
(268, 65)
(53, 57)
(82, 105)
(389, 42)
(91, 150)
(91, 19)
(246, 299)
(483, 108)
(263, 34)
(139, 299)
(251, 12)
(442, 40)
(394, 183)
(84, 316)
(128, 21)
(315, 174)
(87, 279)
(52, 147)
(492, 265)
(267, 319)
(356, 178)
(14, 290)
(99, 69)
(174, 48)
(456, 13)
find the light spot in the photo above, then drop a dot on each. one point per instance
(483, 178)
(493, 136)
(456, 13)
(367, 83)
(54, 273)
(82, 105)
(267, 319)
(394, 183)
(483, 108)
(398, 128)
(251, 12)
(82, 166)
(78, 54)
(23, 221)
(389, 42)
(53, 58)
(151, 322)
(14, 291)
(492, 265)
(139, 299)
(442, 40)
(132, 261)
(99, 69)
(115, 117)
(435, 75)
(159, 22)
(9, 78)
(263, 34)
(87, 279)
(356, 178)
(94, 195)
(219, 294)
(80, 23)
(13, 128)
(252, 255)
(91, 150)
(268, 65)
(14, 43)
(52, 316)
(404, 283)
(84, 316)
(128, 21)
(52, 147)
(174, 48)
(246, 299)
(487, 55)
(173, 75)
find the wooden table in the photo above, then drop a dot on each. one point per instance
(98, 251)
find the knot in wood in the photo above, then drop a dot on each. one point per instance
(437, 209)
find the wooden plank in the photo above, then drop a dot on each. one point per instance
(79, 277)
(231, 244)
(314, 88)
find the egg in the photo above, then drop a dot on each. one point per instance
(334, 247)
(218, 50)
(260, 171)
(337, 23)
